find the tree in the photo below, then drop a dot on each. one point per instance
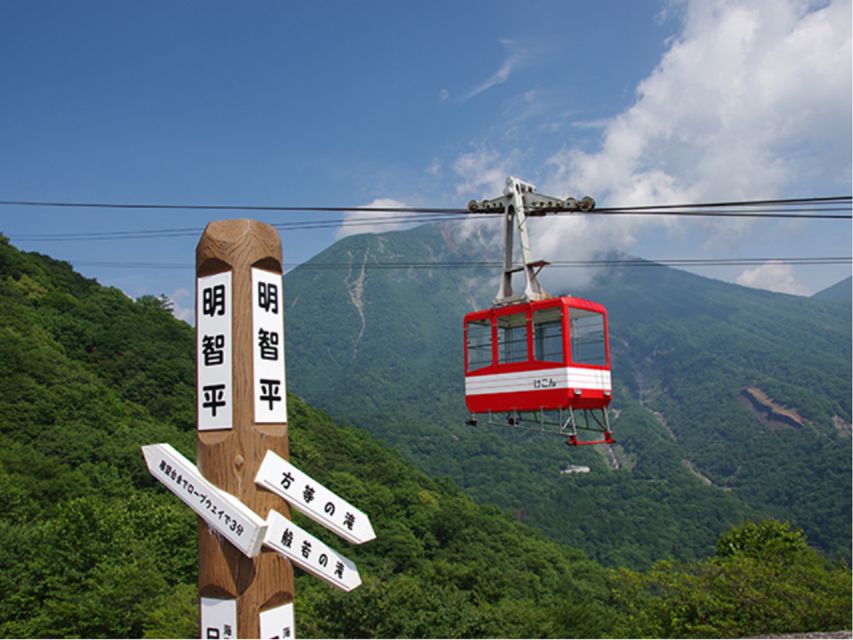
(764, 579)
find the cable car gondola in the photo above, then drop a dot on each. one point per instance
(543, 361)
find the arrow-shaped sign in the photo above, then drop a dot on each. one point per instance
(313, 499)
(241, 526)
(309, 553)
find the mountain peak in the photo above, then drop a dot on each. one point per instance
(841, 291)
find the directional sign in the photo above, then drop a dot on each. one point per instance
(213, 352)
(218, 619)
(268, 338)
(277, 623)
(241, 526)
(309, 553)
(313, 499)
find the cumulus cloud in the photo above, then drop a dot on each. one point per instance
(483, 173)
(749, 96)
(374, 222)
(774, 276)
(751, 100)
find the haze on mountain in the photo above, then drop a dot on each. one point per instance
(841, 291)
(729, 402)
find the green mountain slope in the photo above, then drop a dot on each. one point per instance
(91, 546)
(382, 348)
(841, 291)
(754, 387)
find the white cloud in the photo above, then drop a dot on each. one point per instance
(751, 96)
(514, 57)
(372, 222)
(751, 100)
(717, 118)
(483, 173)
(182, 292)
(434, 167)
(597, 123)
(183, 309)
(443, 95)
(774, 276)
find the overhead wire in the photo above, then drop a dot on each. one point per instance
(785, 209)
(223, 207)
(821, 207)
(487, 264)
(738, 203)
(735, 213)
(194, 231)
(818, 200)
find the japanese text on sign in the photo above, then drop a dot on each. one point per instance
(268, 338)
(213, 352)
(309, 553)
(313, 499)
(241, 526)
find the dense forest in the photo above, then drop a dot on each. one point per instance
(92, 546)
(693, 457)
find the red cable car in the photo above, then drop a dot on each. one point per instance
(536, 354)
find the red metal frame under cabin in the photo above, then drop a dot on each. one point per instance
(543, 399)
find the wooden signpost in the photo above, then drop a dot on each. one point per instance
(244, 544)
(229, 454)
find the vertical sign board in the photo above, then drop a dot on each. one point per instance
(278, 623)
(218, 619)
(213, 352)
(268, 338)
(229, 445)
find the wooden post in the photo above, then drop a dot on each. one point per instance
(229, 455)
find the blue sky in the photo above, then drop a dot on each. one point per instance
(425, 104)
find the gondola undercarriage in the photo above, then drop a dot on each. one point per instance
(569, 423)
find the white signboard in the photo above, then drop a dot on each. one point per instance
(218, 618)
(309, 553)
(277, 623)
(313, 499)
(236, 522)
(268, 338)
(214, 394)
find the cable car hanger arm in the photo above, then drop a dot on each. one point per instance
(519, 201)
(535, 204)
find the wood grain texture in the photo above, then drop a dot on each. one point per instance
(230, 458)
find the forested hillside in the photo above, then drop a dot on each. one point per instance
(841, 292)
(702, 371)
(91, 546)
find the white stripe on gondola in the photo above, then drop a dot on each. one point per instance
(539, 380)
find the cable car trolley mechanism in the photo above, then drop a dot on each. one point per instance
(543, 361)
